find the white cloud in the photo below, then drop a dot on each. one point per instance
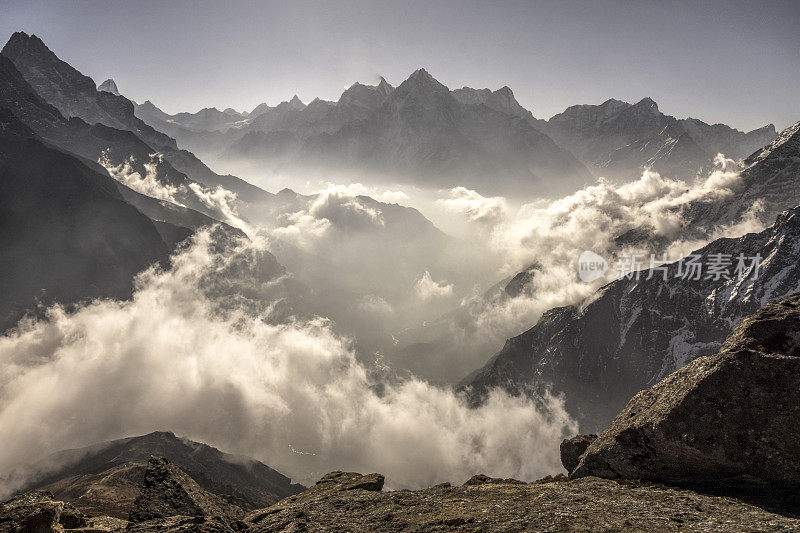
(148, 184)
(359, 189)
(427, 289)
(476, 207)
(554, 233)
(168, 359)
(222, 201)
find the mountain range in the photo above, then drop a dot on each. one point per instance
(422, 128)
(140, 178)
(417, 130)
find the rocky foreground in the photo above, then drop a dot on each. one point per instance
(713, 447)
(353, 502)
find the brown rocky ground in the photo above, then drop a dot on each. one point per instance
(351, 502)
(587, 504)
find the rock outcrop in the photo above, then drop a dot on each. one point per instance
(728, 420)
(350, 481)
(573, 449)
(167, 491)
(354, 502)
(38, 512)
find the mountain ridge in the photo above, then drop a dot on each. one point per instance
(105, 477)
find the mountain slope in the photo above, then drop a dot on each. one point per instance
(102, 128)
(635, 332)
(65, 230)
(74, 94)
(106, 478)
(770, 184)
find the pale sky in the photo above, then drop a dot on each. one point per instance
(735, 62)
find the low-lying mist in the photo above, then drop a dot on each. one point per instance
(432, 302)
(291, 393)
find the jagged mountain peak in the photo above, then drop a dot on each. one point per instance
(505, 91)
(366, 96)
(109, 86)
(32, 49)
(612, 105)
(500, 100)
(20, 38)
(421, 81)
(423, 77)
(383, 86)
(647, 104)
(260, 109)
(421, 74)
(769, 129)
(789, 139)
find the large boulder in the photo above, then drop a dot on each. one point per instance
(730, 420)
(352, 481)
(38, 512)
(167, 491)
(573, 449)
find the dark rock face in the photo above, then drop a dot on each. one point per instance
(168, 491)
(572, 450)
(730, 419)
(587, 504)
(65, 230)
(105, 479)
(520, 283)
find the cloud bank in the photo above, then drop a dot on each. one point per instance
(170, 358)
(553, 234)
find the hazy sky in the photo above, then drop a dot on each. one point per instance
(731, 62)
